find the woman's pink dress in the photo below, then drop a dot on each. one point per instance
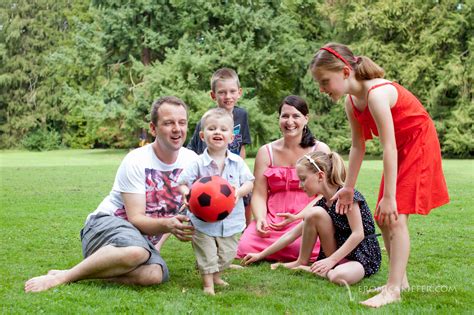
(284, 196)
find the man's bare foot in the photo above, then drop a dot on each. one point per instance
(209, 290)
(43, 283)
(234, 266)
(387, 296)
(55, 272)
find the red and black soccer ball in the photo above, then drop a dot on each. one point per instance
(211, 199)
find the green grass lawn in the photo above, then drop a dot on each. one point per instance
(45, 198)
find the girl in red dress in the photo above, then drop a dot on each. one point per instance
(413, 180)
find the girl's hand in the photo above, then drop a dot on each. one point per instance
(250, 258)
(288, 219)
(322, 267)
(386, 213)
(345, 199)
(262, 228)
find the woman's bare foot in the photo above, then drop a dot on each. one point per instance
(304, 268)
(234, 266)
(290, 265)
(275, 266)
(43, 283)
(209, 290)
(386, 296)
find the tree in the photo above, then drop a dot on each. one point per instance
(424, 45)
(85, 74)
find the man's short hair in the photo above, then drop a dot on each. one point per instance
(224, 74)
(173, 100)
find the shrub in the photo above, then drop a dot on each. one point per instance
(42, 140)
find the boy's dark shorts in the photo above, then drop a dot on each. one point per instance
(103, 229)
(247, 199)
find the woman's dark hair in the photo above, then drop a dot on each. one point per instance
(307, 139)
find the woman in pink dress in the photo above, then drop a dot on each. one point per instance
(277, 200)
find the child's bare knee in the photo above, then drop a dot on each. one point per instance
(314, 215)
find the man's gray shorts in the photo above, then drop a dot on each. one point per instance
(103, 229)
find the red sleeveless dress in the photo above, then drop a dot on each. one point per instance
(420, 180)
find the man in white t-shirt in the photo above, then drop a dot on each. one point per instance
(121, 239)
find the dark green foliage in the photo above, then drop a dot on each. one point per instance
(90, 70)
(42, 140)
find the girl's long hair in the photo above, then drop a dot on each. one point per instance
(331, 164)
(364, 67)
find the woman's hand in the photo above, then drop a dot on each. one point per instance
(251, 258)
(386, 212)
(288, 219)
(262, 228)
(345, 199)
(322, 267)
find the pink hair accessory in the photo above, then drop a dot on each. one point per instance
(336, 54)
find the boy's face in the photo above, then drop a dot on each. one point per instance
(218, 132)
(226, 94)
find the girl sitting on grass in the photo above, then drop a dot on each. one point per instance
(349, 247)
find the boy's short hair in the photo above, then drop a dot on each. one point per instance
(217, 113)
(172, 100)
(224, 74)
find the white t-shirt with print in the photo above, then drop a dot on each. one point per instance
(141, 172)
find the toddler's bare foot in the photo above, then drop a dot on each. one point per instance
(43, 283)
(220, 282)
(209, 290)
(387, 296)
